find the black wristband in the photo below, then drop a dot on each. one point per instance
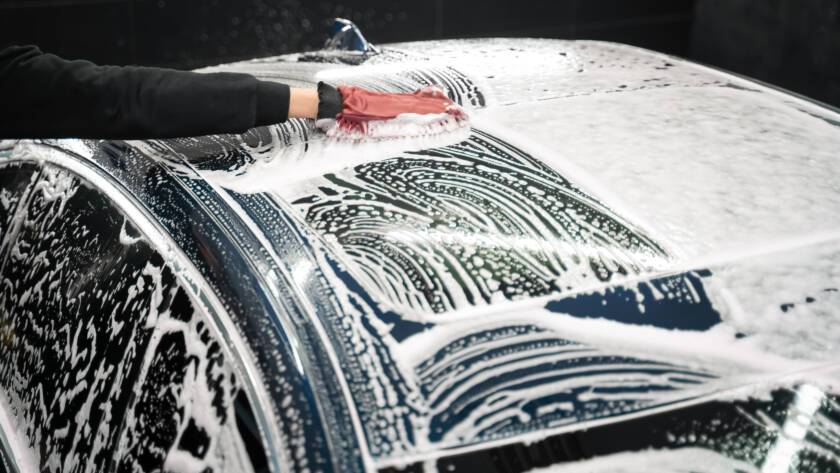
(329, 101)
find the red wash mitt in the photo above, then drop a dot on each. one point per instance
(382, 115)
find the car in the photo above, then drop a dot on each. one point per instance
(631, 264)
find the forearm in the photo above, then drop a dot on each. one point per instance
(43, 96)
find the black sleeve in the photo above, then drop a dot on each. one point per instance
(44, 96)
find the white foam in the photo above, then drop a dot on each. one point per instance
(717, 172)
(404, 125)
(125, 238)
(786, 301)
(698, 460)
(707, 169)
(25, 458)
(287, 165)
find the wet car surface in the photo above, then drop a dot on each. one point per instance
(631, 262)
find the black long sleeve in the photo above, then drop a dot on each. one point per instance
(44, 96)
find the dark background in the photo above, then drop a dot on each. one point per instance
(791, 43)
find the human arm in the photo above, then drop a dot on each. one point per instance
(44, 96)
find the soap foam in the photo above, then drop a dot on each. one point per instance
(25, 457)
(699, 460)
(320, 154)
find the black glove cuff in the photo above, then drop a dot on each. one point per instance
(329, 101)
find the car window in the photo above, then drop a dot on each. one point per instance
(107, 361)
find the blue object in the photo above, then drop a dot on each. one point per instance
(347, 36)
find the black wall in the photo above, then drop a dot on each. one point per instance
(191, 33)
(793, 43)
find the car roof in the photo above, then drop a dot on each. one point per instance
(623, 233)
(727, 189)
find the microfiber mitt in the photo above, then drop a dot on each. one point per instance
(354, 113)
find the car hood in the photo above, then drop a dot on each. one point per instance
(622, 233)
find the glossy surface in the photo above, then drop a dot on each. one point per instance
(786, 430)
(119, 369)
(624, 242)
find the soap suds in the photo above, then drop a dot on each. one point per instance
(681, 460)
(593, 172)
